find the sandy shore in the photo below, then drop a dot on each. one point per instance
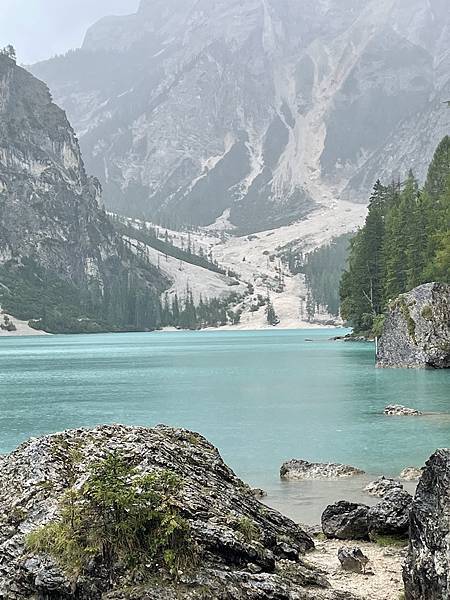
(385, 564)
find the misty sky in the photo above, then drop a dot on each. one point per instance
(42, 28)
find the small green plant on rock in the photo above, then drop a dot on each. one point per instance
(119, 517)
(427, 312)
(248, 529)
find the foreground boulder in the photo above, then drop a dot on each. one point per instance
(381, 486)
(427, 570)
(302, 469)
(236, 547)
(416, 330)
(390, 517)
(346, 521)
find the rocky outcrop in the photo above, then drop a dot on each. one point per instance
(346, 521)
(381, 486)
(352, 559)
(390, 517)
(417, 329)
(302, 469)
(246, 550)
(397, 410)
(427, 570)
(261, 140)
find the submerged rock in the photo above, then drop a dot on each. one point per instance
(411, 473)
(346, 521)
(381, 486)
(390, 517)
(427, 570)
(352, 559)
(302, 469)
(416, 330)
(245, 549)
(398, 410)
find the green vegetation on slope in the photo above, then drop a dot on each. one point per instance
(404, 243)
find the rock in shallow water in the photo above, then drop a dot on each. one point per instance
(411, 473)
(427, 570)
(416, 331)
(233, 565)
(302, 469)
(381, 486)
(397, 410)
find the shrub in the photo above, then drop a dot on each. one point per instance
(118, 517)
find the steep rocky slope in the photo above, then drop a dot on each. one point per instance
(245, 550)
(54, 237)
(257, 110)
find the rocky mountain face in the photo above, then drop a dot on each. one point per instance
(49, 207)
(426, 572)
(417, 329)
(255, 111)
(246, 550)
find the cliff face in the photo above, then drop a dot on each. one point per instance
(257, 110)
(417, 329)
(245, 550)
(49, 207)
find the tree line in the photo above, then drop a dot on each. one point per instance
(405, 242)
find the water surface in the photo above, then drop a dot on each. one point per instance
(261, 397)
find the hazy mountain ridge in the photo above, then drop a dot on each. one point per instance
(263, 109)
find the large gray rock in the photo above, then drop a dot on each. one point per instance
(213, 500)
(391, 515)
(417, 329)
(346, 521)
(411, 473)
(427, 570)
(303, 469)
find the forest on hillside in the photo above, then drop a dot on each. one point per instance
(405, 242)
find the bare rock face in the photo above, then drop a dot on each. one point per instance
(302, 469)
(427, 570)
(232, 566)
(352, 559)
(346, 521)
(397, 410)
(381, 486)
(417, 329)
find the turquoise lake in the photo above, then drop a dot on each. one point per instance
(261, 397)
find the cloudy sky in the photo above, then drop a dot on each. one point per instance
(42, 28)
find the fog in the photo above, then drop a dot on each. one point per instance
(40, 29)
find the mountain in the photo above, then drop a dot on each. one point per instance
(61, 262)
(253, 112)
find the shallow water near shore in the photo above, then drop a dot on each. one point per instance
(261, 397)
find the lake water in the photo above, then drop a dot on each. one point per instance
(261, 397)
